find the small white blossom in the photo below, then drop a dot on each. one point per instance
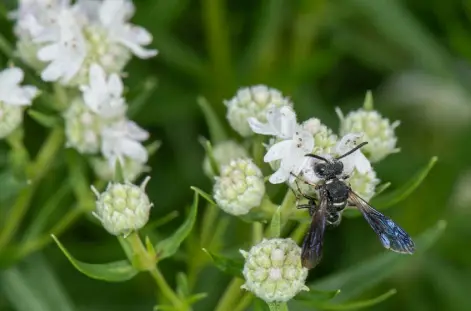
(105, 170)
(13, 99)
(122, 208)
(65, 53)
(240, 187)
(324, 138)
(223, 153)
(114, 16)
(252, 102)
(123, 139)
(294, 144)
(273, 270)
(378, 131)
(104, 96)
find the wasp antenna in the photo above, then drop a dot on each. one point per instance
(352, 151)
(316, 156)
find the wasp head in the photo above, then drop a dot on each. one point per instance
(328, 169)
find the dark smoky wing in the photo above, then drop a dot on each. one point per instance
(390, 234)
(313, 241)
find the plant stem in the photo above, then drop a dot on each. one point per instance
(244, 302)
(257, 232)
(143, 260)
(40, 167)
(230, 296)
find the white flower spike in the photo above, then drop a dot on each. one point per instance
(294, 142)
(104, 95)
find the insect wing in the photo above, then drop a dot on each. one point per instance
(313, 241)
(390, 234)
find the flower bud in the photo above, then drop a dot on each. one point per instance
(273, 270)
(123, 208)
(82, 127)
(378, 132)
(11, 117)
(324, 138)
(363, 184)
(240, 187)
(223, 153)
(252, 102)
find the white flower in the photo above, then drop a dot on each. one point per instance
(364, 184)
(273, 270)
(106, 171)
(114, 16)
(103, 96)
(324, 138)
(123, 208)
(11, 93)
(295, 143)
(123, 139)
(223, 153)
(66, 53)
(252, 102)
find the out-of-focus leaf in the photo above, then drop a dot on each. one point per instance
(169, 246)
(143, 92)
(353, 305)
(204, 195)
(196, 297)
(275, 224)
(44, 119)
(10, 184)
(217, 133)
(357, 279)
(117, 271)
(393, 197)
(225, 264)
(33, 286)
(318, 295)
(209, 153)
(183, 289)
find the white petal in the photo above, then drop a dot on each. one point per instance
(52, 72)
(361, 162)
(11, 76)
(115, 85)
(49, 52)
(348, 142)
(136, 49)
(134, 150)
(278, 151)
(261, 128)
(279, 176)
(136, 132)
(288, 122)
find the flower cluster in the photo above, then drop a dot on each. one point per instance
(13, 99)
(85, 45)
(64, 40)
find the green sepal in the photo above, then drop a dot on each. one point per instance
(275, 224)
(118, 172)
(117, 271)
(204, 195)
(170, 245)
(217, 133)
(227, 265)
(368, 102)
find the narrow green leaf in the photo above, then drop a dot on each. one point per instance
(118, 172)
(318, 295)
(355, 280)
(32, 285)
(161, 221)
(217, 133)
(354, 305)
(203, 194)
(153, 147)
(169, 246)
(183, 289)
(381, 188)
(396, 196)
(143, 92)
(117, 271)
(225, 264)
(209, 153)
(275, 225)
(44, 119)
(196, 297)
(391, 198)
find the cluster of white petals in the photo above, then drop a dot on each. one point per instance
(63, 39)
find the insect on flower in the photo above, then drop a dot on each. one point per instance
(334, 194)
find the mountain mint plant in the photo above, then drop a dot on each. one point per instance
(75, 52)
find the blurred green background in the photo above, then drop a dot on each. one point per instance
(413, 55)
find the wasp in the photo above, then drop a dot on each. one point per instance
(334, 194)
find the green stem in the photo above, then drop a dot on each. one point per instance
(244, 302)
(278, 306)
(40, 167)
(143, 260)
(230, 296)
(257, 232)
